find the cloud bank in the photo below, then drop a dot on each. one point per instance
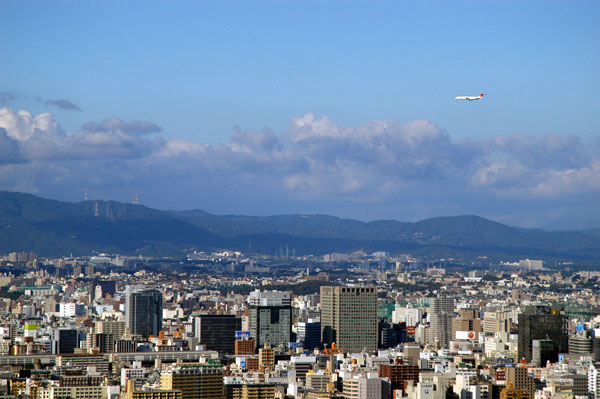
(382, 169)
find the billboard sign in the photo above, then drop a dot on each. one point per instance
(466, 335)
(242, 334)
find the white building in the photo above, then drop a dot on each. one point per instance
(71, 309)
(365, 388)
(594, 381)
(131, 374)
(410, 316)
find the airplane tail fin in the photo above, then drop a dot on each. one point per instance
(481, 95)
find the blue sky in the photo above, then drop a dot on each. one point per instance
(205, 73)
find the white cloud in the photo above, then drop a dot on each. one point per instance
(569, 182)
(23, 126)
(41, 138)
(410, 167)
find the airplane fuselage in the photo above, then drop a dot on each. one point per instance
(469, 98)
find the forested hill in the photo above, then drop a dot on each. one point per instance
(49, 227)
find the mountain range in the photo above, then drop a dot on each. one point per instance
(53, 228)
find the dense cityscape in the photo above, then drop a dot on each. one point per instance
(265, 199)
(231, 325)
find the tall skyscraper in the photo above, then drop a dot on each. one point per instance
(441, 311)
(349, 317)
(217, 332)
(143, 310)
(542, 323)
(270, 318)
(442, 304)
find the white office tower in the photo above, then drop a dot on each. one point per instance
(409, 315)
(594, 381)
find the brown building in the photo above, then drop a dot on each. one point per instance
(258, 391)
(80, 380)
(399, 375)
(467, 323)
(511, 393)
(266, 358)
(245, 347)
(194, 380)
(233, 391)
(132, 393)
(519, 379)
(252, 363)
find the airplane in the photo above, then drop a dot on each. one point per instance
(470, 98)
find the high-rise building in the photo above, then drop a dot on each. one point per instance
(519, 379)
(441, 314)
(245, 346)
(441, 305)
(299, 366)
(114, 327)
(440, 329)
(495, 321)
(391, 335)
(105, 343)
(65, 340)
(366, 388)
(349, 317)
(194, 380)
(266, 358)
(399, 375)
(542, 323)
(594, 381)
(105, 334)
(466, 324)
(132, 393)
(543, 351)
(143, 310)
(409, 315)
(309, 334)
(270, 318)
(258, 391)
(217, 332)
(580, 345)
